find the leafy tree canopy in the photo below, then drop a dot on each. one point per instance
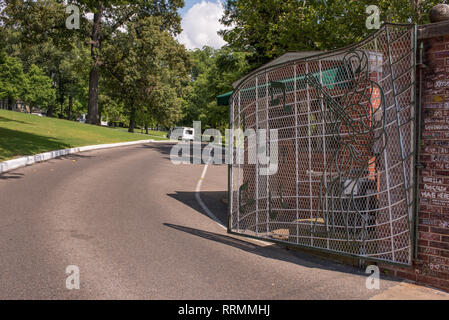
(269, 28)
(212, 74)
(38, 89)
(147, 69)
(12, 78)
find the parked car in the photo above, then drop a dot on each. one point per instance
(182, 133)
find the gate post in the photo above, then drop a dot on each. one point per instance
(431, 263)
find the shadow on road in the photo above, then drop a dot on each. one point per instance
(74, 156)
(212, 199)
(15, 175)
(165, 149)
(272, 251)
(11, 175)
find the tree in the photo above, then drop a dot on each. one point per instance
(109, 17)
(213, 73)
(35, 32)
(37, 22)
(38, 89)
(112, 109)
(72, 79)
(35, 88)
(147, 69)
(12, 79)
(43, 21)
(269, 28)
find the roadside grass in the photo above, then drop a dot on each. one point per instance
(24, 134)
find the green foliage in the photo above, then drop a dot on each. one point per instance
(119, 12)
(111, 109)
(213, 73)
(147, 70)
(109, 17)
(269, 28)
(36, 22)
(38, 90)
(35, 33)
(12, 78)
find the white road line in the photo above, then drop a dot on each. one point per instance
(201, 202)
(211, 215)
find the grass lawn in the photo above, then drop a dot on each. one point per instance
(24, 134)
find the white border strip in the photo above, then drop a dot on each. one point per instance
(29, 160)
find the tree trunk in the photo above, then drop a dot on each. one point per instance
(69, 115)
(99, 118)
(50, 111)
(132, 120)
(10, 103)
(92, 113)
(417, 7)
(146, 128)
(61, 112)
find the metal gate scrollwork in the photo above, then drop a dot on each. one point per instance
(345, 147)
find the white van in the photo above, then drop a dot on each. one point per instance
(182, 133)
(82, 118)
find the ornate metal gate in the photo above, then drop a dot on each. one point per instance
(342, 128)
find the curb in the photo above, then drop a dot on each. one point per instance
(9, 165)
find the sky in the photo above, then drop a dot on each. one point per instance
(200, 23)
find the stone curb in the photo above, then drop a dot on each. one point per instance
(9, 165)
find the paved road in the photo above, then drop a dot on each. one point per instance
(128, 218)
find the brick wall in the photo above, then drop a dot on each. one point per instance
(432, 264)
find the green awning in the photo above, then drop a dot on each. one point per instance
(330, 78)
(223, 99)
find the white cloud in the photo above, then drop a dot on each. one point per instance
(200, 25)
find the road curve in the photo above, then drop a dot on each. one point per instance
(128, 218)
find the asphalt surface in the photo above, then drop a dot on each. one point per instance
(128, 218)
